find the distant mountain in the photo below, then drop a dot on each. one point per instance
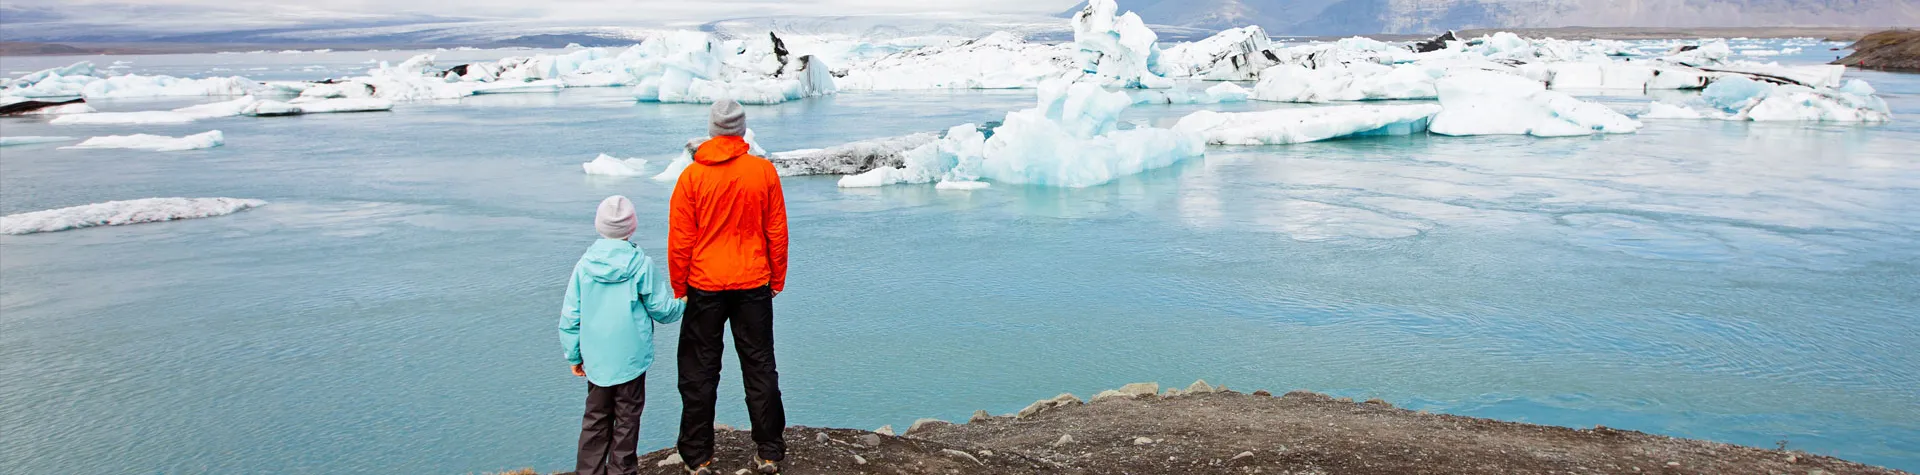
(1343, 17)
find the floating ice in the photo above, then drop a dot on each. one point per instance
(115, 213)
(30, 139)
(306, 105)
(607, 165)
(680, 164)
(1071, 140)
(851, 158)
(1219, 93)
(998, 61)
(1307, 124)
(63, 109)
(1237, 54)
(157, 143)
(1739, 98)
(1345, 82)
(177, 116)
(1488, 103)
(1120, 49)
(1661, 110)
(82, 79)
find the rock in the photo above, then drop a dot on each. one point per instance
(1142, 441)
(1199, 387)
(719, 427)
(986, 453)
(1793, 459)
(822, 438)
(884, 430)
(1345, 399)
(869, 440)
(921, 426)
(858, 460)
(1130, 391)
(961, 455)
(1379, 402)
(980, 416)
(1243, 455)
(1064, 440)
(670, 461)
(743, 472)
(1171, 392)
(1064, 399)
(1673, 464)
(1263, 393)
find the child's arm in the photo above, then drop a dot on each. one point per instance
(570, 319)
(657, 295)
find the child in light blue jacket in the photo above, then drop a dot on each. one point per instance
(606, 327)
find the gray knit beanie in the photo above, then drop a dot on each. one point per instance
(615, 219)
(729, 119)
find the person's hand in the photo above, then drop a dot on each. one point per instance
(579, 371)
(776, 293)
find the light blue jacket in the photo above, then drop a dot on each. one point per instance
(611, 304)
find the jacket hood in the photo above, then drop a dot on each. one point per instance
(611, 261)
(720, 150)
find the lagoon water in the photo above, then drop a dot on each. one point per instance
(393, 309)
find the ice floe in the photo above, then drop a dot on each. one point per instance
(1219, 93)
(998, 61)
(156, 143)
(851, 158)
(1307, 124)
(607, 165)
(680, 164)
(244, 105)
(1739, 98)
(1345, 82)
(31, 139)
(1488, 103)
(1117, 48)
(115, 213)
(1662, 110)
(83, 80)
(1236, 54)
(1072, 139)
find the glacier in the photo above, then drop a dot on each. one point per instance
(116, 213)
(1489, 103)
(1307, 124)
(156, 143)
(83, 80)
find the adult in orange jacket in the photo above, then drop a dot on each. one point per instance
(727, 255)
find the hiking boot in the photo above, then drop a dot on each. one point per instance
(767, 467)
(703, 469)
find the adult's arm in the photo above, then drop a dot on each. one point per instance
(776, 220)
(681, 233)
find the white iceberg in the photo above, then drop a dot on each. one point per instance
(1662, 110)
(1071, 140)
(1237, 54)
(1345, 82)
(182, 115)
(1118, 49)
(683, 67)
(63, 109)
(304, 105)
(1225, 92)
(607, 165)
(1739, 98)
(82, 79)
(851, 158)
(31, 139)
(680, 164)
(1489, 103)
(1307, 124)
(998, 61)
(115, 213)
(156, 143)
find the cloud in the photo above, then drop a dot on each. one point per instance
(613, 12)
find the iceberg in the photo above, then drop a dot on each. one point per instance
(851, 158)
(60, 109)
(1072, 139)
(1661, 110)
(115, 213)
(1225, 92)
(1489, 103)
(679, 164)
(83, 80)
(682, 67)
(1001, 60)
(1345, 82)
(30, 139)
(1740, 98)
(1118, 49)
(1237, 54)
(301, 106)
(177, 116)
(1307, 124)
(156, 143)
(607, 165)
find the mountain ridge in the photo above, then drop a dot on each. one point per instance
(1344, 17)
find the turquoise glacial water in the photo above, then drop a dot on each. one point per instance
(392, 309)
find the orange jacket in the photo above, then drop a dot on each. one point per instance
(729, 222)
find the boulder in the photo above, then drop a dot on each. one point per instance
(921, 426)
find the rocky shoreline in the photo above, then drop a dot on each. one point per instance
(1140, 429)
(1892, 50)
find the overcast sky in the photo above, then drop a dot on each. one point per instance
(598, 11)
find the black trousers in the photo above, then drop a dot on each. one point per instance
(610, 430)
(751, 314)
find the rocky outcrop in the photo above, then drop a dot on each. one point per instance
(1897, 50)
